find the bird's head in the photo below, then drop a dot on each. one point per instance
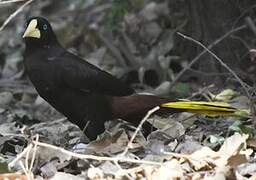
(39, 32)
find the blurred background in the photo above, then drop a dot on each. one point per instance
(137, 40)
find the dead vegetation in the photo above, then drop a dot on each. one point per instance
(137, 41)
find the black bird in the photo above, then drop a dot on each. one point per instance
(87, 95)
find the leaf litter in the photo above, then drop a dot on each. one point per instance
(37, 141)
(184, 146)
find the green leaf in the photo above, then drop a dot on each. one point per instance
(237, 126)
(4, 166)
(182, 89)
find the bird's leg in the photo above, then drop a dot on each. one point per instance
(93, 128)
(147, 128)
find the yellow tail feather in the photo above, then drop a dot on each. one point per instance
(212, 109)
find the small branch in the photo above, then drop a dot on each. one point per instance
(34, 154)
(218, 59)
(224, 65)
(127, 49)
(10, 1)
(217, 41)
(250, 24)
(24, 170)
(98, 158)
(19, 156)
(14, 14)
(150, 112)
(115, 51)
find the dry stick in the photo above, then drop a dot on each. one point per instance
(150, 112)
(98, 158)
(177, 155)
(242, 15)
(28, 168)
(27, 158)
(217, 41)
(224, 65)
(19, 156)
(126, 48)
(34, 155)
(10, 1)
(251, 24)
(14, 14)
(121, 169)
(115, 51)
(218, 59)
(25, 170)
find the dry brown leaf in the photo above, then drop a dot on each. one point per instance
(202, 158)
(224, 95)
(13, 176)
(215, 177)
(221, 173)
(169, 170)
(233, 147)
(231, 153)
(252, 143)
(65, 176)
(110, 144)
(95, 173)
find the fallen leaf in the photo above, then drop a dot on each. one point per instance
(232, 146)
(65, 176)
(169, 170)
(95, 173)
(224, 95)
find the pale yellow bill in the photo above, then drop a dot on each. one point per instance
(31, 30)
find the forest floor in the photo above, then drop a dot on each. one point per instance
(37, 142)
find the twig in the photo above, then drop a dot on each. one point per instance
(126, 48)
(10, 1)
(121, 169)
(115, 51)
(242, 15)
(217, 41)
(224, 65)
(208, 73)
(98, 158)
(19, 156)
(25, 170)
(15, 13)
(34, 154)
(250, 24)
(241, 40)
(150, 112)
(27, 158)
(177, 155)
(26, 153)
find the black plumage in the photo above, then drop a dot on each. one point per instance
(87, 95)
(76, 88)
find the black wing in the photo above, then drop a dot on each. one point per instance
(79, 74)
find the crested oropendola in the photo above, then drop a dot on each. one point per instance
(84, 93)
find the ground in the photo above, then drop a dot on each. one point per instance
(154, 46)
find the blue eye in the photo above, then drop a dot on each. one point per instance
(45, 27)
